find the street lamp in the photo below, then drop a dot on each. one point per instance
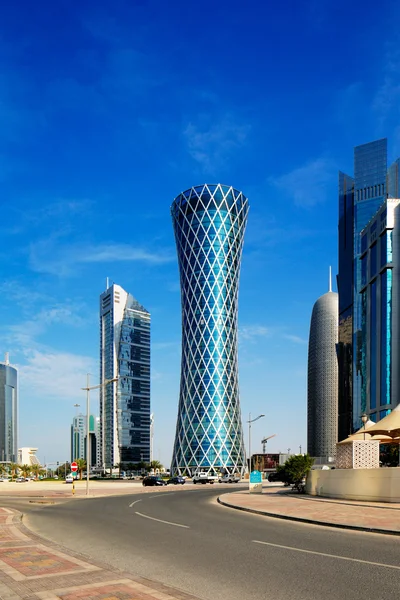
(87, 389)
(364, 419)
(250, 421)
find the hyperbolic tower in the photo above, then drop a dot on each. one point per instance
(322, 393)
(209, 223)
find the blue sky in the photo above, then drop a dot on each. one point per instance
(108, 111)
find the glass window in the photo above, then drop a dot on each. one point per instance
(364, 270)
(383, 245)
(373, 254)
(373, 345)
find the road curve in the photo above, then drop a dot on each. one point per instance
(185, 539)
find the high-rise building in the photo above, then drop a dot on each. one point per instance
(78, 437)
(379, 311)
(360, 197)
(322, 385)
(209, 223)
(8, 412)
(124, 353)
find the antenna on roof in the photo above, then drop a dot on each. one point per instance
(106, 283)
(7, 358)
(330, 279)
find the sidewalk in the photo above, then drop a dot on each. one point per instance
(33, 570)
(282, 503)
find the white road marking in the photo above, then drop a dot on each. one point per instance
(159, 495)
(130, 506)
(161, 521)
(358, 560)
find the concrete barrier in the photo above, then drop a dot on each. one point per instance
(377, 485)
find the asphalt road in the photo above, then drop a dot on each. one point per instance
(185, 539)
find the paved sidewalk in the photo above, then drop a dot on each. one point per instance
(282, 503)
(31, 569)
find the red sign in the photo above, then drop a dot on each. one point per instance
(74, 467)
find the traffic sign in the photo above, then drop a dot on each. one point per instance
(74, 467)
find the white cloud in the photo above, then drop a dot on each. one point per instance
(294, 338)
(57, 375)
(47, 257)
(210, 144)
(309, 184)
(251, 332)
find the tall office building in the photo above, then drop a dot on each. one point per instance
(8, 412)
(379, 311)
(209, 223)
(322, 388)
(124, 353)
(359, 199)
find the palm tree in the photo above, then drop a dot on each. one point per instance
(13, 468)
(81, 462)
(119, 466)
(26, 470)
(156, 465)
(35, 469)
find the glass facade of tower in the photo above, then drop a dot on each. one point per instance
(124, 353)
(377, 267)
(8, 413)
(209, 223)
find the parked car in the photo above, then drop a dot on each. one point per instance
(229, 478)
(176, 480)
(20, 480)
(153, 480)
(275, 476)
(69, 479)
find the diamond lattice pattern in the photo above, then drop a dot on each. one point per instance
(209, 223)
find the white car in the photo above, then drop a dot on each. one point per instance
(229, 478)
(69, 479)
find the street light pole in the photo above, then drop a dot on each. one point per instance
(364, 419)
(87, 389)
(250, 421)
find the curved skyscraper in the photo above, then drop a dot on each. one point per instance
(209, 223)
(322, 393)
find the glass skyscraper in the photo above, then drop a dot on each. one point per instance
(124, 353)
(8, 412)
(209, 223)
(359, 200)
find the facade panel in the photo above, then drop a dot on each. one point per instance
(209, 223)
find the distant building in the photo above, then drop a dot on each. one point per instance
(124, 353)
(322, 392)
(78, 436)
(8, 412)
(380, 372)
(27, 456)
(360, 197)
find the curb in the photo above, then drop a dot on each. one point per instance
(308, 521)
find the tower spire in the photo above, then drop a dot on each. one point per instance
(330, 279)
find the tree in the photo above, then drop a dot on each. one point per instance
(13, 468)
(119, 466)
(36, 469)
(296, 468)
(81, 462)
(26, 470)
(155, 465)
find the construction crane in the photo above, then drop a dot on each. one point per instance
(265, 440)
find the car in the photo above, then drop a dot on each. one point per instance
(229, 478)
(274, 476)
(176, 480)
(20, 480)
(153, 480)
(69, 479)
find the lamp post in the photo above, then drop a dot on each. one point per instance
(250, 421)
(364, 419)
(87, 389)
